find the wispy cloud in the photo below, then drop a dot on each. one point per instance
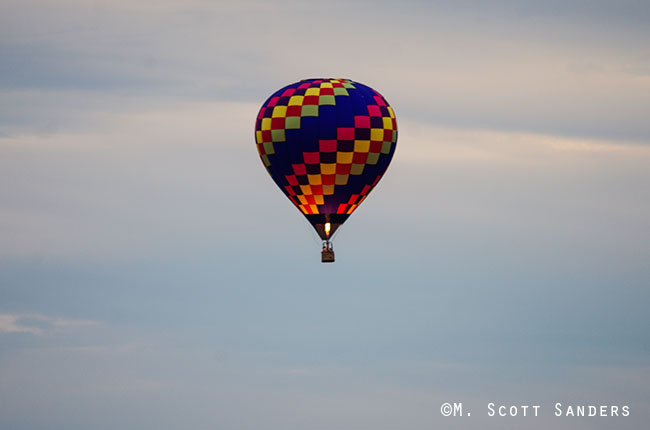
(38, 324)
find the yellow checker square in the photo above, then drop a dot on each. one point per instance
(306, 189)
(258, 136)
(296, 100)
(328, 190)
(377, 134)
(326, 85)
(279, 112)
(314, 209)
(388, 123)
(361, 145)
(341, 179)
(344, 157)
(372, 158)
(312, 92)
(390, 112)
(328, 168)
(357, 169)
(302, 200)
(315, 179)
(266, 123)
(319, 200)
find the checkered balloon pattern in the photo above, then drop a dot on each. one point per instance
(326, 143)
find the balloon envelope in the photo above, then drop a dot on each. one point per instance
(326, 143)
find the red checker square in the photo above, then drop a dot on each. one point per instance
(266, 136)
(294, 200)
(310, 199)
(261, 114)
(260, 148)
(345, 133)
(292, 180)
(311, 157)
(362, 121)
(299, 169)
(353, 198)
(373, 110)
(317, 190)
(307, 209)
(343, 169)
(394, 123)
(375, 147)
(359, 157)
(277, 123)
(388, 135)
(294, 110)
(366, 190)
(380, 101)
(327, 145)
(290, 190)
(304, 85)
(328, 179)
(273, 101)
(376, 180)
(288, 92)
(327, 91)
(341, 209)
(310, 100)
(337, 85)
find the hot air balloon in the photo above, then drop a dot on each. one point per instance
(326, 143)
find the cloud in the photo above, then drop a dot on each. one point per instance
(38, 324)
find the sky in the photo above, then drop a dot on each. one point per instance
(152, 276)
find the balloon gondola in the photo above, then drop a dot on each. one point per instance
(326, 143)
